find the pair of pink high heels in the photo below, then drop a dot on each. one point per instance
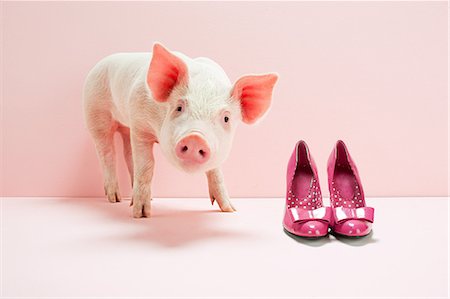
(305, 214)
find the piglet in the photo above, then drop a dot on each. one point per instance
(188, 106)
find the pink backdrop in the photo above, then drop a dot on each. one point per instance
(373, 74)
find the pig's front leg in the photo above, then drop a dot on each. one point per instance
(143, 164)
(218, 191)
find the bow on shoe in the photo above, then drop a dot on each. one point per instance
(342, 214)
(302, 215)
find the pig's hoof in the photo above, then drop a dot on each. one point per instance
(228, 208)
(114, 197)
(141, 210)
(112, 193)
(225, 205)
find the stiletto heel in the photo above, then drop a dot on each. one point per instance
(305, 215)
(351, 216)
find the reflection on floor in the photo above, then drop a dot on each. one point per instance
(80, 247)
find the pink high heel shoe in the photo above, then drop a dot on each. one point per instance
(305, 215)
(351, 217)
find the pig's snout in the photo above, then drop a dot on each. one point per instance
(193, 150)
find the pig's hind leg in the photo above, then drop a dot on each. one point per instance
(102, 128)
(127, 152)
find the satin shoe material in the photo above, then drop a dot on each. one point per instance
(305, 215)
(351, 216)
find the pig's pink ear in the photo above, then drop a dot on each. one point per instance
(165, 72)
(255, 95)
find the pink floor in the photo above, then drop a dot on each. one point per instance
(87, 247)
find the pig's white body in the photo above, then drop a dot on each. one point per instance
(166, 98)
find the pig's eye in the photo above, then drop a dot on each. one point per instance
(179, 108)
(226, 118)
